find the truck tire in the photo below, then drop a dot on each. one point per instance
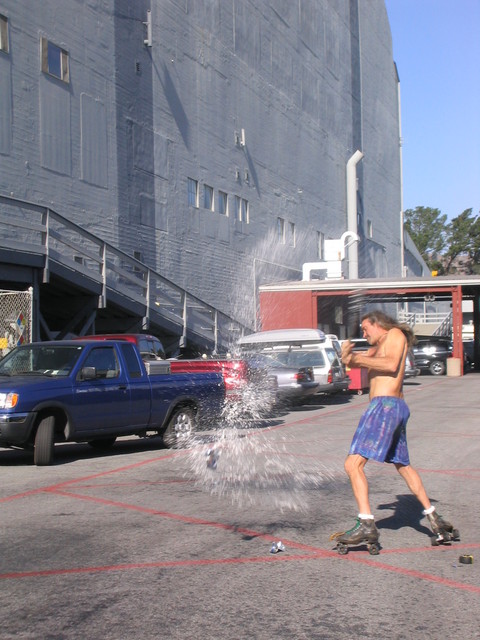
(102, 444)
(44, 442)
(180, 428)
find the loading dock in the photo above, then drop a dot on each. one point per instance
(337, 305)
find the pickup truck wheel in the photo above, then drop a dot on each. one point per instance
(179, 431)
(103, 444)
(44, 442)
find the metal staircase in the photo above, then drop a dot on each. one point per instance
(38, 237)
(432, 324)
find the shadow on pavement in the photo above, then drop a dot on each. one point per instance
(407, 513)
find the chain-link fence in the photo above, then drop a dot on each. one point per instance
(15, 319)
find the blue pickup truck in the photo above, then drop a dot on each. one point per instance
(84, 391)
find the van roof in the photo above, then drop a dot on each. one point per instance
(283, 336)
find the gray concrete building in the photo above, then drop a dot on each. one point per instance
(206, 139)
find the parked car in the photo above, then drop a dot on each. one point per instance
(294, 383)
(329, 372)
(468, 355)
(314, 348)
(431, 353)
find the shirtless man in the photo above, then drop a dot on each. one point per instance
(381, 433)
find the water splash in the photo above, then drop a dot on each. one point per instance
(248, 460)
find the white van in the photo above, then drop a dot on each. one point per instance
(303, 348)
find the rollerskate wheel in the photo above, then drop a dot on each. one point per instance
(455, 534)
(342, 549)
(435, 541)
(373, 549)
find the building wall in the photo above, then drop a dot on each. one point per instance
(308, 82)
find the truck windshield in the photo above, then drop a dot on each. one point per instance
(36, 359)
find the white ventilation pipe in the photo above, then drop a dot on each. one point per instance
(334, 254)
(352, 212)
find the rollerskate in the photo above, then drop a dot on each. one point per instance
(444, 532)
(364, 532)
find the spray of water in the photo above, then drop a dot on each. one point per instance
(253, 468)
(249, 461)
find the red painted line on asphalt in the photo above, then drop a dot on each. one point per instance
(186, 519)
(466, 473)
(322, 554)
(101, 474)
(137, 483)
(440, 549)
(156, 565)
(314, 553)
(429, 577)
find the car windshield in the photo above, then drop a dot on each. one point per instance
(34, 359)
(261, 360)
(302, 358)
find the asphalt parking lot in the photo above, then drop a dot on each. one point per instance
(147, 542)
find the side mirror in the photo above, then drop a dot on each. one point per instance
(87, 373)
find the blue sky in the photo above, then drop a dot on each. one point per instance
(436, 46)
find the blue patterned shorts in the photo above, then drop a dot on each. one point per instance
(381, 433)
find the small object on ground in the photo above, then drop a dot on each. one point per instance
(466, 559)
(277, 546)
(212, 458)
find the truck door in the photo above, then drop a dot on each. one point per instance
(103, 403)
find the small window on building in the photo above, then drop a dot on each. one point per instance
(291, 234)
(55, 61)
(192, 192)
(238, 208)
(320, 245)
(369, 229)
(281, 230)
(208, 197)
(222, 203)
(242, 210)
(4, 34)
(245, 211)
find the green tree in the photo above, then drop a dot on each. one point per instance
(441, 244)
(458, 239)
(428, 229)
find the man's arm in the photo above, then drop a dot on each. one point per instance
(389, 359)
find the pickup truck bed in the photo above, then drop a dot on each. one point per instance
(86, 391)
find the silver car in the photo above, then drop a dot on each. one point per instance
(294, 383)
(328, 371)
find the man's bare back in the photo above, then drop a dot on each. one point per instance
(385, 360)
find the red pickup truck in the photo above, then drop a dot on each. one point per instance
(236, 373)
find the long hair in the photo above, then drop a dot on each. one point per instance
(386, 322)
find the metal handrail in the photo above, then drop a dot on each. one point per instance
(445, 328)
(37, 229)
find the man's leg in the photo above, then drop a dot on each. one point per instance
(414, 483)
(354, 466)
